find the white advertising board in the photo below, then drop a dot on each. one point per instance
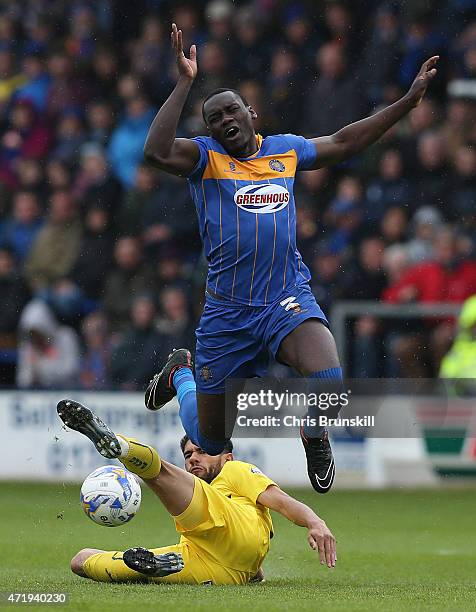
(35, 446)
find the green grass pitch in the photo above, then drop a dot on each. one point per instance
(398, 550)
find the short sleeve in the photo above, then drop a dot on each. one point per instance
(200, 166)
(247, 480)
(305, 151)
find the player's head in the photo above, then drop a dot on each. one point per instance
(229, 119)
(197, 462)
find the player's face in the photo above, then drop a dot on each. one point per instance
(230, 122)
(197, 462)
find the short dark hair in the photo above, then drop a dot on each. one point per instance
(228, 448)
(220, 90)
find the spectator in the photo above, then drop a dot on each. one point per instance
(425, 224)
(105, 70)
(328, 280)
(393, 226)
(100, 121)
(58, 176)
(128, 278)
(433, 172)
(25, 136)
(96, 353)
(48, 354)
(69, 137)
(343, 218)
(37, 82)
(283, 89)
(381, 55)
(127, 140)
(14, 297)
(366, 282)
(95, 185)
(459, 124)
(301, 38)
(21, 230)
(219, 15)
(334, 101)
(463, 193)
(175, 324)
(95, 255)
(151, 56)
(391, 188)
(214, 70)
(134, 360)
(68, 89)
(251, 46)
(139, 202)
(56, 247)
(29, 175)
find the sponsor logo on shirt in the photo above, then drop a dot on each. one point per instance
(232, 168)
(263, 199)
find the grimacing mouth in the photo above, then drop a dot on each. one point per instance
(231, 131)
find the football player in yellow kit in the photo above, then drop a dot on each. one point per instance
(220, 507)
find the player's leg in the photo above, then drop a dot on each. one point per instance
(299, 337)
(225, 348)
(202, 425)
(172, 485)
(119, 566)
(80, 558)
(309, 349)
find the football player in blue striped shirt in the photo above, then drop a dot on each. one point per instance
(258, 298)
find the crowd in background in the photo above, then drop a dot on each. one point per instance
(101, 272)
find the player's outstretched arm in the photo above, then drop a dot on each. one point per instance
(355, 137)
(162, 149)
(319, 536)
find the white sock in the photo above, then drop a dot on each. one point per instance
(124, 446)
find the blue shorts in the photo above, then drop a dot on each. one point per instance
(234, 341)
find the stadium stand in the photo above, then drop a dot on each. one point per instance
(111, 247)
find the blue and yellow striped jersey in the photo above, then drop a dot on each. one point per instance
(247, 217)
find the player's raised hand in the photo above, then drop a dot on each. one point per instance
(321, 539)
(187, 67)
(422, 80)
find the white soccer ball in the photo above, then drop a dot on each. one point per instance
(110, 496)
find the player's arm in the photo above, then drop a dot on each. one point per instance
(162, 149)
(319, 536)
(355, 137)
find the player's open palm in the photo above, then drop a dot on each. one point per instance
(320, 538)
(423, 78)
(187, 67)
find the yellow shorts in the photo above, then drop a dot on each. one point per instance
(223, 542)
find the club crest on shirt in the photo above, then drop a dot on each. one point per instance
(277, 165)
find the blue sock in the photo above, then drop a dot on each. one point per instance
(330, 374)
(184, 383)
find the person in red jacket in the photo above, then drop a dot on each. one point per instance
(24, 137)
(446, 278)
(443, 279)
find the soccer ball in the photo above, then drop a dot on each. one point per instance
(110, 496)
